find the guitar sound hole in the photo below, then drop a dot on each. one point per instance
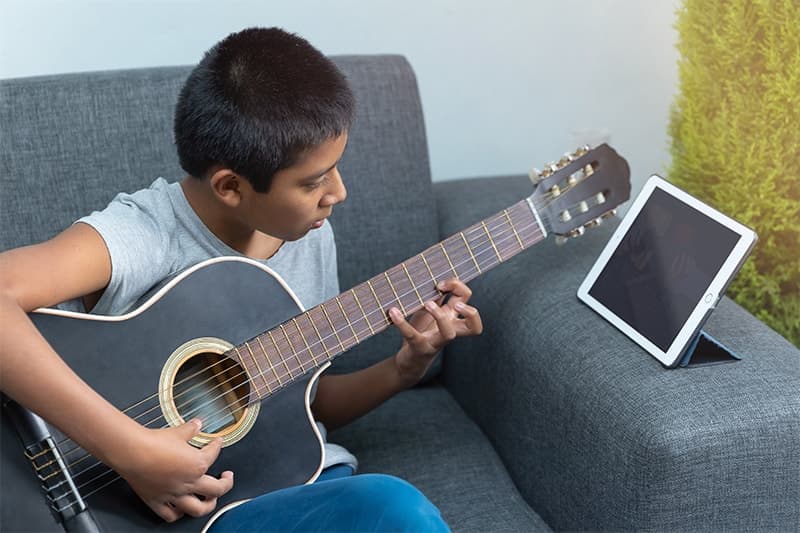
(211, 387)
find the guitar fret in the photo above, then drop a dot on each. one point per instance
(333, 328)
(433, 277)
(413, 285)
(261, 372)
(358, 302)
(455, 273)
(280, 355)
(391, 286)
(470, 252)
(269, 361)
(499, 257)
(316, 330)
(292, 349)
(344, 314)
(378, 300)
(308, 347)
(510, 223)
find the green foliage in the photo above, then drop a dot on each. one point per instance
(735, 130)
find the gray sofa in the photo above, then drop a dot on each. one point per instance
(551, 419)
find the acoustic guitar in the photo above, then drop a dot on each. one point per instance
(227, 341)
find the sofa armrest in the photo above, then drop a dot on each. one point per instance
(594, 431)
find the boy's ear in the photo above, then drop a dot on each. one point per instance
(227, 186)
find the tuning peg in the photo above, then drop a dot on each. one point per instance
(535, 175)
(555, 190)
(583, 207)
(577, 232)
(600, 198)
(581, 150)
(561, 240)
(588, 170)
(572, 180)
(593, 223)
(565, 216)
(608, 214)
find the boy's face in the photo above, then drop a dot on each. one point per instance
(302, 196)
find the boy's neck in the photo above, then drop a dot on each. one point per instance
(223, 225)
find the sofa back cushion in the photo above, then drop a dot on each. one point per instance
(70, 142)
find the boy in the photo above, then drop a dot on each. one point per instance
(260, 127)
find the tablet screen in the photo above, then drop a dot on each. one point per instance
(662, 267)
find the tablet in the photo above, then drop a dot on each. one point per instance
(664, 269)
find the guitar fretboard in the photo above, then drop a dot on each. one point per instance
(277, 357)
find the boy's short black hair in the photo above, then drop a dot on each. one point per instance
(256, 101)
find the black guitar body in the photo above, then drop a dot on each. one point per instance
(228, 299)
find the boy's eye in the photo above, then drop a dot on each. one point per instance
(315, 184)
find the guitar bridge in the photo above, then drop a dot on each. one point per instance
(56, 482)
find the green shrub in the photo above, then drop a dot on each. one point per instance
(735, 130)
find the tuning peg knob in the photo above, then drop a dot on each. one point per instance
(565, 216)
(555, 190)
(561, 240)
(593, 223)
(577, 232)
(583, 207)
(609, 214)
(535, 175)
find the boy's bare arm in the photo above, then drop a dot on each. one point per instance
(341, 399)
(160, 465)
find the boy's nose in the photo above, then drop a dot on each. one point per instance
(337, 192)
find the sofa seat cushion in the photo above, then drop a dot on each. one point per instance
(423, 436)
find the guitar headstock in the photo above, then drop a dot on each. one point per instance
(580, 190)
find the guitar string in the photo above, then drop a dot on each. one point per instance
(414, 288)
(289, 374)
(467, 261)
(491, 221)
(478, 229)
(315, 343)
(545, 204)
(189, 377)
(227, 409)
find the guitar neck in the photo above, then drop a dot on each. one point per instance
(279, 356)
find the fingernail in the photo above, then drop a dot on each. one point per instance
(197, 422)
(460, 306)
(430, 305)
(440, 285)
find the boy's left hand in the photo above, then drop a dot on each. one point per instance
(431, 328)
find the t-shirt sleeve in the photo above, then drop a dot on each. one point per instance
(137, 239)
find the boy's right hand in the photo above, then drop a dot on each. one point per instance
(169, 474)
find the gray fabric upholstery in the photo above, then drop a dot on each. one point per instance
(595, 432)
(423, 436)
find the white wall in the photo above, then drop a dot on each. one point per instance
(505, 84)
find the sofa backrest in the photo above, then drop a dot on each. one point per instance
(69, 143)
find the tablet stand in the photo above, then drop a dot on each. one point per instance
(706, 350)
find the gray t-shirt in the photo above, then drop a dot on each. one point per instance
(154, 234)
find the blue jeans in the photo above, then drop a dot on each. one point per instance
(337, 501)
